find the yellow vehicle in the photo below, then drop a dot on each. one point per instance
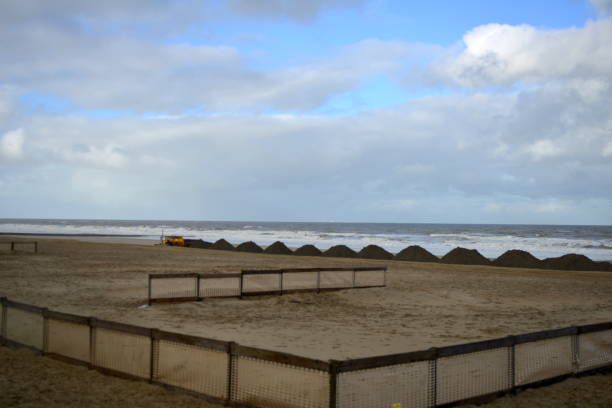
(174, 240)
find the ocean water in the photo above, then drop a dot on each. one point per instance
(543, 241)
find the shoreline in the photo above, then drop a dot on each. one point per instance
(100, 238)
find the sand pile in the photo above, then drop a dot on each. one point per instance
(575, 262)
(223, 245)
(516, 258)
(197, 243)
(416, 253)
(249, 246)
(340, 251)
(463, 256)
(278, 248)
(374, 252)
(308, 250)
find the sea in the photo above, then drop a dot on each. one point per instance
(491, 240)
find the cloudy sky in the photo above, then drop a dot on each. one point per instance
(317, 110)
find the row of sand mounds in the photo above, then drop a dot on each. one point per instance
(460, 256)
(278, 248)
(222, 245)
(415, 253)
(516, 258)
(308, 250)
(374, 252)
(249, 246)
(340, 251)
(197, 243)
(464, 256)
(576, 262)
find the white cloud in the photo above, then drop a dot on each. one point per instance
(543, 149)
(498, 54)
(11, 145)
(604, 7)
(607, 150)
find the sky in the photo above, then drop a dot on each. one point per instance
(317, 110)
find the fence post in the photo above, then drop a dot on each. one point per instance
(433, 378)
(198, 289)
(385, 277)
(12, 246)
(512, 364)
(319, 281)
(92, 342)
(3, 326)
(241, 282)
(35, 247)
(333, 383)
(45, 314)
(149, 299)
(230, 371)
(354, 273)
(280, 281)
(153, 361)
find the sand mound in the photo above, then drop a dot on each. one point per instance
(340, 251)
(278, 248)
(249, 246)
(308, 250)
(463, 256)
(416, 253)
(223, 245)
(516, 258)
(197, 243)
(574, 262)
(374, 252)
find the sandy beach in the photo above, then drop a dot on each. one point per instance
(424, 304)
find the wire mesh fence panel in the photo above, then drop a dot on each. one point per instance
(219, 287)
(594, 350)
(469, 375)
(261, 283)
(25, 327)
(336, 279)
(193, 368)
(168, 288)
(124, 352)
(300, 281)
(369, 278)
(406, 385)
(268, 384)
(68, 339)
(540, 360)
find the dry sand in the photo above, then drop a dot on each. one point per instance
(424, 304)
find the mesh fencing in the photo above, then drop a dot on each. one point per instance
(469, 375)
(68, 339)
(404, 384)
(594, 350)
(336, 279)
(219, 287)
(300, 281)
(123, 352)
(544, 359)
(261, 283)
(193, 368)
(369, 278)
(25, 327)
(268, 384)
(168, 288)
